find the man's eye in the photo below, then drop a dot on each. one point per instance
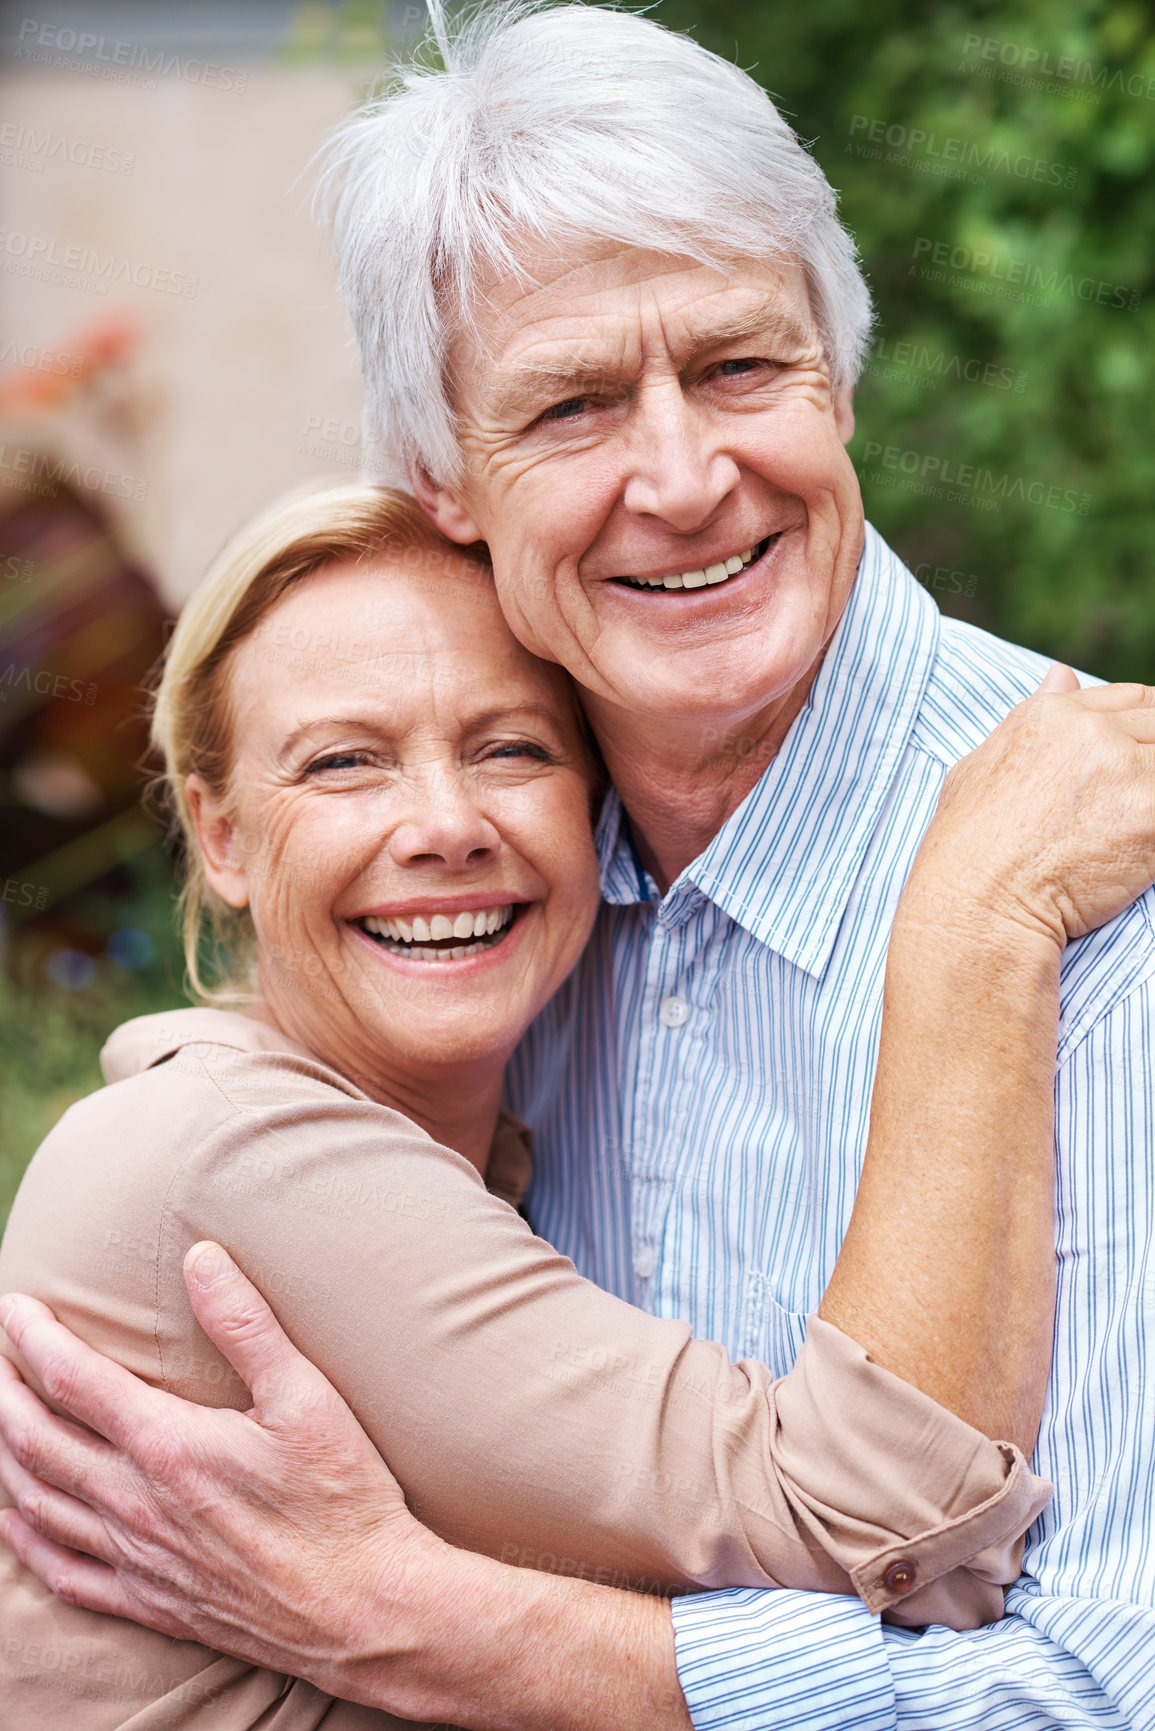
(568, 410)
(729, 369)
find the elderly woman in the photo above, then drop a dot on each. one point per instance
(386, 805)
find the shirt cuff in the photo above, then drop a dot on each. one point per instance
(749, 1659)
(925, 1513)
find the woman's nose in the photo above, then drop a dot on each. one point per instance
(443, 825)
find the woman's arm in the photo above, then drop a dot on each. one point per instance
(946, 1274)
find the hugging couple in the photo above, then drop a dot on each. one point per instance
(603, 773)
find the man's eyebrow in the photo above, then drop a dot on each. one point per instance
(766, 320)
(525, 386)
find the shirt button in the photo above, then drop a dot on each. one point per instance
(900, 1577)
(673, 1011)
(643, 1261)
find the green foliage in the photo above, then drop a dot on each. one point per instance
(1006, 449)
(51, 1035)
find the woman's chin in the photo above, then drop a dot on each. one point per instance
(461, 1008)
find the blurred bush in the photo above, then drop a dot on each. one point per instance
(1003, 436)
(67, 986)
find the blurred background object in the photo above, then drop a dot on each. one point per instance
(174, 353)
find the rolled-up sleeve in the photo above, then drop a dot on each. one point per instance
(535, 1417)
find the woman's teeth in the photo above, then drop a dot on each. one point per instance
(709, 574)
(440, 937)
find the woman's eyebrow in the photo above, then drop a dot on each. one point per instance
(510, 712)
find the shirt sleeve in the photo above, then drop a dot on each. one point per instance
(534, 1417)
(797, 1662)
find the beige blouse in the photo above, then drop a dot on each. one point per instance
(528, 1414)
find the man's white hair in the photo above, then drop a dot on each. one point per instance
(563, 123)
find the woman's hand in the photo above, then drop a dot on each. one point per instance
(1050, 823)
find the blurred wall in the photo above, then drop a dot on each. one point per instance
(179, 205)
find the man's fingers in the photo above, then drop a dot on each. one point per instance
(242, 1327)
(96, 1390)
(52, 1513)
(75, 1579)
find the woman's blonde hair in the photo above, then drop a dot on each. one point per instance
(192, 721)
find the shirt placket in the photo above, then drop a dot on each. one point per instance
(673, 1012)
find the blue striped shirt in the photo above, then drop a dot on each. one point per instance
(700, 1090)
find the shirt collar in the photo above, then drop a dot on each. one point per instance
(783, 865)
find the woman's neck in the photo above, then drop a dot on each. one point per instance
(456, 1104)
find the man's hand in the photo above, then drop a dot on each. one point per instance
(280, 1536)
(265, 1533)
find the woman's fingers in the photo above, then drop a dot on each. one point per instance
(1059, 677)
(1127, 695)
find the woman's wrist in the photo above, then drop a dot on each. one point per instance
(981, 908)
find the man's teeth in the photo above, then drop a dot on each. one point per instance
(709, 574)
(400, 934)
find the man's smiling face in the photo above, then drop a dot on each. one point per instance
(656, 459)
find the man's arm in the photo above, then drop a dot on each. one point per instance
(368, 1604)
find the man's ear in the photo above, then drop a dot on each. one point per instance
(844, 415)
(218, 842)
(445, 510)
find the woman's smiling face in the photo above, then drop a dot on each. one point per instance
(408, 817)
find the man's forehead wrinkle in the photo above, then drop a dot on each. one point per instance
(600, 357)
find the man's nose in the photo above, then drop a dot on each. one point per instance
(677, 468)
(442, 824)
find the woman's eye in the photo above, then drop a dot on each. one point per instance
(337, 760)
(730, 369)
(516, 748)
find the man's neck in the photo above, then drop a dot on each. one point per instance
(676, 797)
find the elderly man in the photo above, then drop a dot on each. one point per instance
(610, 326)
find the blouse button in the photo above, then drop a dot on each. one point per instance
(900, 1577)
